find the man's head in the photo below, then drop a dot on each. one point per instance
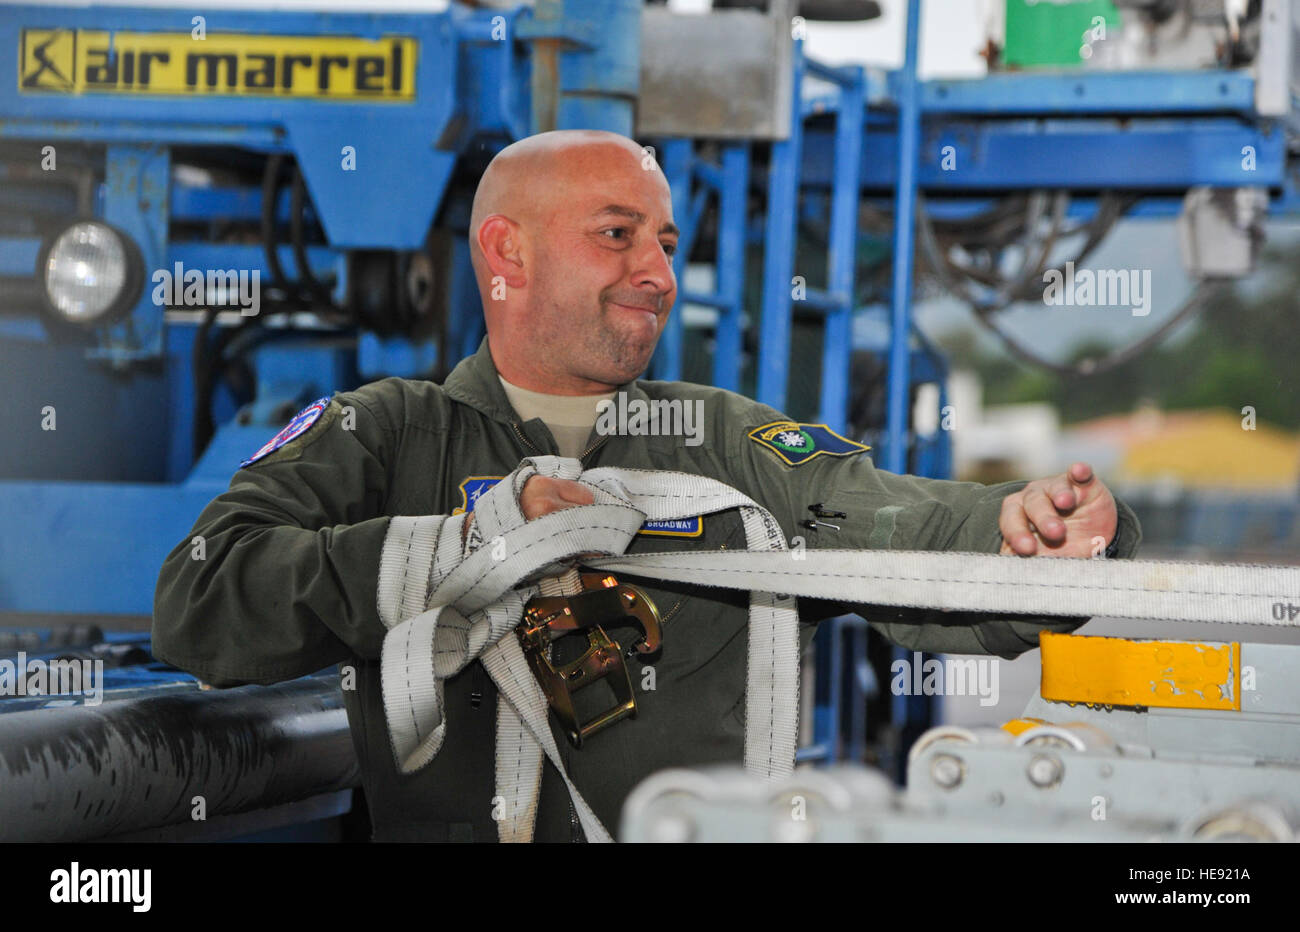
(572, 237)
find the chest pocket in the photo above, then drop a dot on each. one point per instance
(699, 622)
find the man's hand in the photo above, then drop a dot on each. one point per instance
(1065, 514)
(541, 496)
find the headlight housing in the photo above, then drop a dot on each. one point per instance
(90, 273)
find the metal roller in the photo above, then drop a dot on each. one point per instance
(959, 734)
(1248, 820)
(1071, 736)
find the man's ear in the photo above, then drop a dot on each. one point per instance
(499, 240)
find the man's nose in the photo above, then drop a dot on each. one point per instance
(654, 267)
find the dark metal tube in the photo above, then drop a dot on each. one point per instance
(86, 772)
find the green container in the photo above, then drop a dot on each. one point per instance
(1051, 33)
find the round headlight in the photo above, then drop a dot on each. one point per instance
(91, 273)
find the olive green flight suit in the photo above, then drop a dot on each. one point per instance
(289, 583)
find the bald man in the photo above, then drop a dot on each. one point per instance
(330, 534)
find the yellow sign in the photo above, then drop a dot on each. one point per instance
(175, 64)
(1125, 672)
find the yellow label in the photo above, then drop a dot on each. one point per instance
(175, 64)
(1124, 672)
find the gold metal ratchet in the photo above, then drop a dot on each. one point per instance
(603, 601)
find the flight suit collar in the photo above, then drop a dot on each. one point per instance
(474, 382)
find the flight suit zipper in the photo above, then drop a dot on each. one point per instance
(581, 456)
(520, 434)
(591, 449)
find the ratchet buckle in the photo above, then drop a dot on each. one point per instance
(603, 601)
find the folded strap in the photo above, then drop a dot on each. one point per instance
(475, 599)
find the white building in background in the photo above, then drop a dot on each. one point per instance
(1024, 439)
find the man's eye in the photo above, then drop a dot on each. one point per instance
(670, 248)
(621, 230)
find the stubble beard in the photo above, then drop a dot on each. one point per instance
(622, 354)
(604, 352)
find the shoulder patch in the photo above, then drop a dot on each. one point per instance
(796, 444)
(301, 423)
(470, 490)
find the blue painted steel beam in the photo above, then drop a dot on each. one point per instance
(909, 137)
(837, 346)
(259, 138)
(23, 329)
(109, 537)
(137, 182)
(709, 299)
(818, 301)
(91, 547)
(490, 73)
(898, 416)
(1134, 92)
(709, 174)
(18, 257)
(1084, 205)
(675, 160)
(198, 204)
(778, 257)
(846, 76)
(598, 86)
(1143, 155)
(860, 676)
(733, 199)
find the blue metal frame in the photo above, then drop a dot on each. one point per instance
(471, 84)
(1160, 154)
(905, 710)
(358, 208)
(778, 257)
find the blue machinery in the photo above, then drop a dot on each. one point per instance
(349, 199)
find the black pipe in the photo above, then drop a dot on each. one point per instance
(270, 192)
(201, 366)
(86, 772)
(298, 240)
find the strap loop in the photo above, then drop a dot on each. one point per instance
(476, 596)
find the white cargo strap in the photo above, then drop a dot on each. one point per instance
(518, 753)
(990, 583)
(446, 603)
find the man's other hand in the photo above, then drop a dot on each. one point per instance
(1061, 516)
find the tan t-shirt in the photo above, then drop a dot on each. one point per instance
(569, 417)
